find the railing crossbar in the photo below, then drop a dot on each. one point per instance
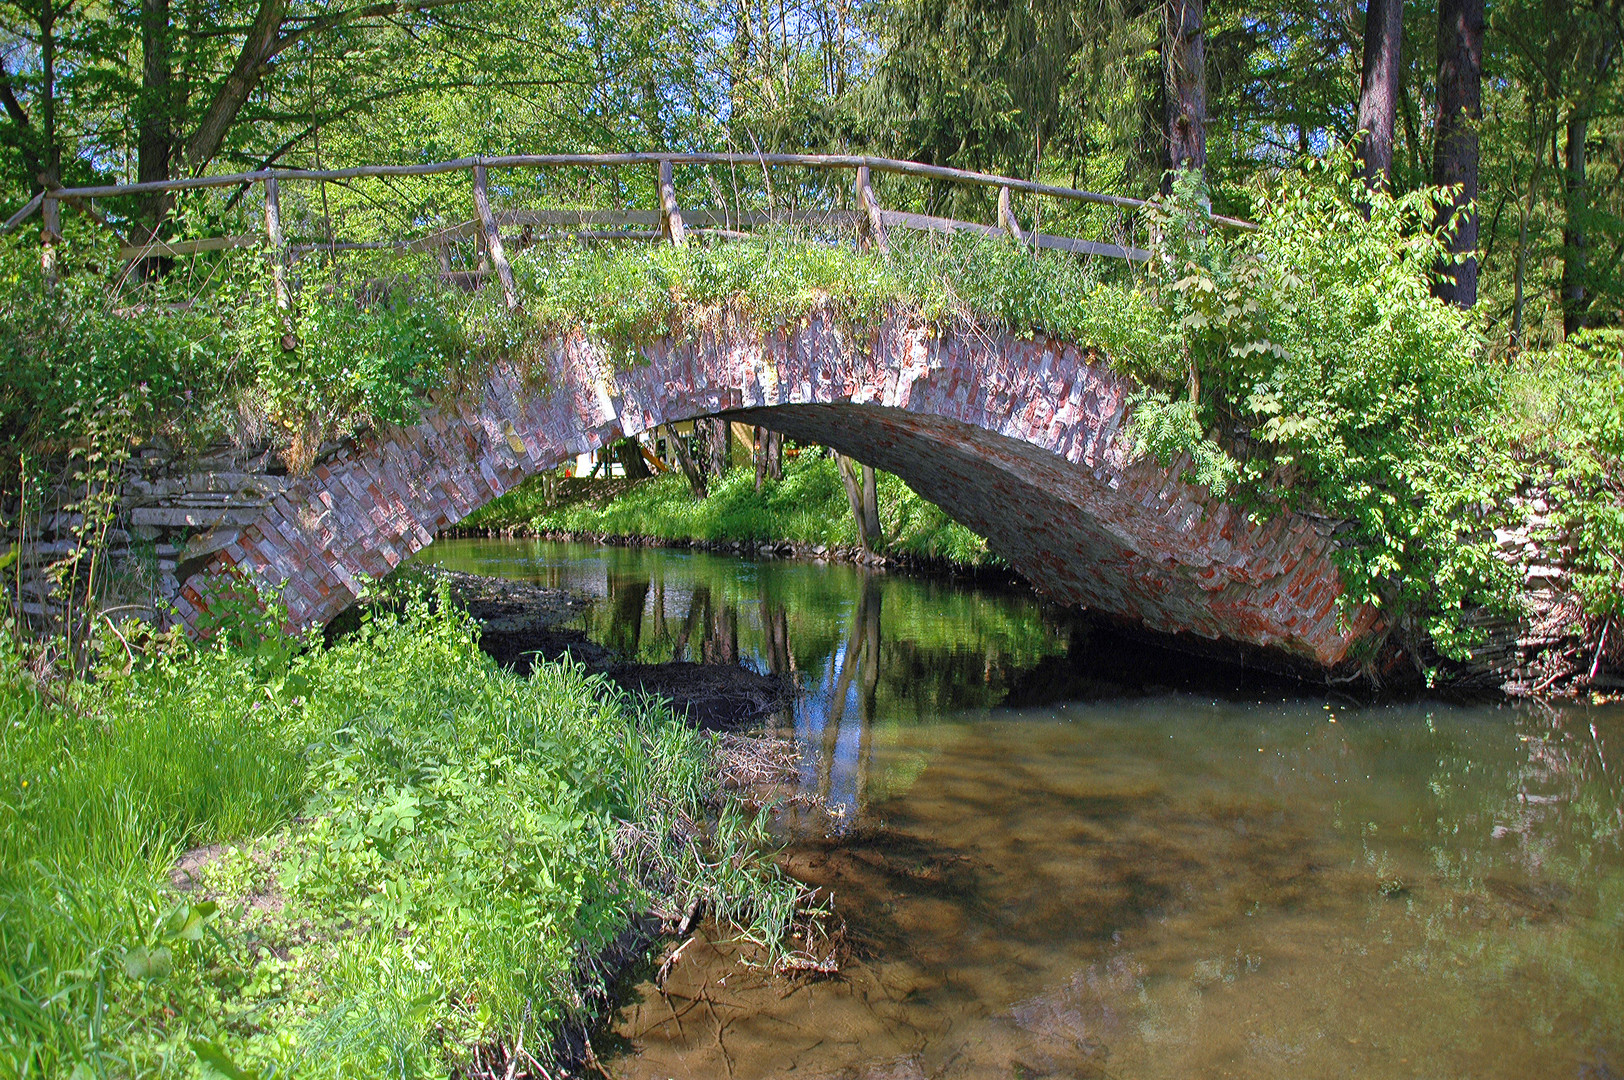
(515, 161)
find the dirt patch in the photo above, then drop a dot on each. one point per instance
(715, 697)
(196, 872)
(504, 606)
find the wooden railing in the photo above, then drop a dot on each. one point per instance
(670, 221)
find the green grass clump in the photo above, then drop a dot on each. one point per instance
(418, 854)
(807, 506)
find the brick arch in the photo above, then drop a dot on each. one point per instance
(1022, 440)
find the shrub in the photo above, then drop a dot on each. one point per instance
(1567, 407)
(1308, 366)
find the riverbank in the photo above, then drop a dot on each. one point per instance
(806, 514)
(387, 855)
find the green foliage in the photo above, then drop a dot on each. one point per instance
(335, 365)
(414, 854)
(192, 359)
(1316, 361)
(1568, 407)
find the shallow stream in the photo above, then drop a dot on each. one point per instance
(1060, 853)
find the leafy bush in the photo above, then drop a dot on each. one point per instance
(191, 359)
(1308, 366)
(465, 841)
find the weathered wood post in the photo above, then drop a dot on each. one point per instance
(278, 247)
(493, 239)
(671, 226)
(50, 237)
(870, 226)
(1006, 217)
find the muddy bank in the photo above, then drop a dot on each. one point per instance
(521, 623)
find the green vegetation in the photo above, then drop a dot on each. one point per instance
(407, 855)
(1571, 403)
(808, 506)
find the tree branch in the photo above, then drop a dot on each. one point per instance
(322, 23)
(19, 116)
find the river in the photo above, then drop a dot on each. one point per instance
(1061, 853)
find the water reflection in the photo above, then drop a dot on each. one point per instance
(862, 647)
(1063, 859)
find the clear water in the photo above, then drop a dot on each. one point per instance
(1067, 855)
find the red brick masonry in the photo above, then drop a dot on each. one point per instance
(1021, 440)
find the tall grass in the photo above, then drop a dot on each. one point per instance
(416, 855)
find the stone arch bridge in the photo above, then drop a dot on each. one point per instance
(1021, 440)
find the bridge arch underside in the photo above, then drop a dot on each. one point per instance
(1092, 541)
(1019, 439)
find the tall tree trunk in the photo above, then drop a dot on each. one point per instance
(1573, 227)
(693, 467)
(52, 171)
(155, 125)
(1378, 90)
(719, 445)
(862, 494)
(1185, 67)
(1455, 146)
(629, 452)
(769, 456)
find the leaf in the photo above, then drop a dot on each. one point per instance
(141, 963)
(186, 921)
(217, 1059)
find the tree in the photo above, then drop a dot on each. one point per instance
(1597, 54)
(1379, 85)
(200, 66)
(1185, 64)
(862, 492)
(1455, 138)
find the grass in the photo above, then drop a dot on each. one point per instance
(808, 506)
(416, 856)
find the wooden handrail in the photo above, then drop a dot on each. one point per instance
(672, 222)
(513, 161)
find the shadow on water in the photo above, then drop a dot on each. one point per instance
(1062, 852)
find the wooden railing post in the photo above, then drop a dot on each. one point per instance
(278, 248)
(670, 213)
(870, 226)
(493, 239)
(50, 237)
(1006, 217)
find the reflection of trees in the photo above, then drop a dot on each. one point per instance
(859, 661)
(628, 597)
(699, 603)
